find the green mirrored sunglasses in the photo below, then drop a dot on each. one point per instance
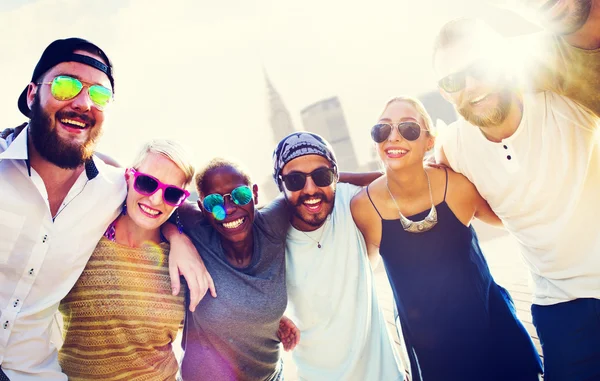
(215, 203)
(64, 88)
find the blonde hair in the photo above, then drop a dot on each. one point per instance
(417, 105)
(171, 150)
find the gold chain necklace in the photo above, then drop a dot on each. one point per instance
(417, 226)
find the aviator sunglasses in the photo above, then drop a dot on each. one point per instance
(64, 88)
(147, 185)
(215, 203)
(409, 131)
(295, 181)
(457, 81)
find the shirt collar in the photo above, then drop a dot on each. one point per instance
(18, 150)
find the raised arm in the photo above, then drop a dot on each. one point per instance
(368, 222)
(560, 67)
(361, 179)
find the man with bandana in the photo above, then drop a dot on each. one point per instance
(330, 286)
(57, 201)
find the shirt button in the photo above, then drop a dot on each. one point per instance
(5, 325)
(16, 303)
(505, 146)
(44, 238)
(31, 272)
(509, 157)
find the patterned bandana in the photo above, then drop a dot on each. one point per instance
(299, 144)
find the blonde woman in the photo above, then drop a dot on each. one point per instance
(458, 324)
(120, 318)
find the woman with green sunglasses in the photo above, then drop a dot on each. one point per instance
(235, 336)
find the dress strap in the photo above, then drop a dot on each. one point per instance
(446, 189)
(372, 203)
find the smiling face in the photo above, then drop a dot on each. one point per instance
(150, 212)
(396, 152)
(65, 132)
(482, 102)
(312, 204)
(236, 227)
(561, 16)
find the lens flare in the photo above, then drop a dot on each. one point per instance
(218, 212)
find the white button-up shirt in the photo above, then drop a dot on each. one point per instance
(41, 257)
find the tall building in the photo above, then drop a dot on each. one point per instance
(281, 126)
(279, 116)
(326, 118)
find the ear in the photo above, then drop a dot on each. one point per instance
(127, 174)
(201, 207)
(31, 91)
(255, 192)
(430, 142)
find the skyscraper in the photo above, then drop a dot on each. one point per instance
(279, 116)
(281, 126)
(326, 118)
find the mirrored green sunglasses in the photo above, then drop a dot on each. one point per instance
(215, 203)
(64, 88)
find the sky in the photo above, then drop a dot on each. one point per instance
(193, 70)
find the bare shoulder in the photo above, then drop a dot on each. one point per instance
(362, 206)
(462, 197)
(459, 184)
(360, 202)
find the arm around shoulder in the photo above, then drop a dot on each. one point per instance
(361, 179)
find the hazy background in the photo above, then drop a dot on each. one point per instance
(194, 71)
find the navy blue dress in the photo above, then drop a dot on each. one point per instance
(458, 324)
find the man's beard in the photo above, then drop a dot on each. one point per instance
(49, 144)
(491, 117)
(572, 21)
(316, 220)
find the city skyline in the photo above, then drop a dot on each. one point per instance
(194, 71)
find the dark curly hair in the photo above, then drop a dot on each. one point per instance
(216, 163)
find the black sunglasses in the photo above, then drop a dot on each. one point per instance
(457, 81)
(295, 181)
(409, 131)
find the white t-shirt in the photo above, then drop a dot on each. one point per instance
(41, 258)
(544, 183)
(332, 300)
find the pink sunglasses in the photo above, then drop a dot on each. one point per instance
(148, 185)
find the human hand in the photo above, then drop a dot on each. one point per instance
(288, 333)
(185, 260)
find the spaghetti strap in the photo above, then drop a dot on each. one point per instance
(372, 203)
(446, 189)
